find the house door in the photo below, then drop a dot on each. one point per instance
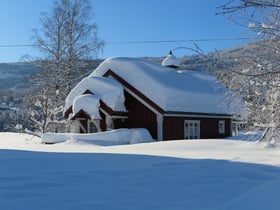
(192, 129)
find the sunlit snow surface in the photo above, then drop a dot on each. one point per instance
(183, 174)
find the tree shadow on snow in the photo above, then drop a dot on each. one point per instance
(41, 180)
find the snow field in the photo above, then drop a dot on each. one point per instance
(195, 175)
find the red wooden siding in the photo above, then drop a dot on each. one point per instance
(118, 123)
(209, 128)
(139, 116)
(173, 127)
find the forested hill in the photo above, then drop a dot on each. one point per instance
(16, 80)
(236, 58)
(15, 75)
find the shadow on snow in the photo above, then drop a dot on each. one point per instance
(41, 180)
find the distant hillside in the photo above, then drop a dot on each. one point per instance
(236, 58)
(16, 80)
(15, 75)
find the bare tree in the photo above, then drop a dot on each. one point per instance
(261, 16)
(81, 37)
(42, 110)
(67, 37)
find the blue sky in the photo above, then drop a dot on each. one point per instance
(128, 21)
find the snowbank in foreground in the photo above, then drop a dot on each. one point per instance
(264, 196)
(178, 175)
(114, 137)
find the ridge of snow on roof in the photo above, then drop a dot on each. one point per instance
(106, 89)
(171, 90)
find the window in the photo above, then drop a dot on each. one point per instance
(221, 127)
(92, 127)
(192, 129)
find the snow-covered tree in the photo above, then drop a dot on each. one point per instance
(81, 38)
(43, 110)
(67, 37)
(259, 81)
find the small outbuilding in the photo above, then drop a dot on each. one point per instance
(134, 93)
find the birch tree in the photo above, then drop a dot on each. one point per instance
(80, 38)
(67, 37)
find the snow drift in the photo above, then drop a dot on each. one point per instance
(114, 137)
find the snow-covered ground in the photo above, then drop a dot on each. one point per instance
(185, 174)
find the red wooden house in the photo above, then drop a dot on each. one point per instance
(132, 93)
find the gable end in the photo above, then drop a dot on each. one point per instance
(134, 90)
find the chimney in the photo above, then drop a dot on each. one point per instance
(171, 61)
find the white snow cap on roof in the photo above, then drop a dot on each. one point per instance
(170, 61)
(106, 89)
(89, 103)
(172, 91)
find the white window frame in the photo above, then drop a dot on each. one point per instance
(96, 124)
(196, 133)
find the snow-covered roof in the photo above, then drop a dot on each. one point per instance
(106, 89)
(88, 103)
(170, 61)
(171, 90)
